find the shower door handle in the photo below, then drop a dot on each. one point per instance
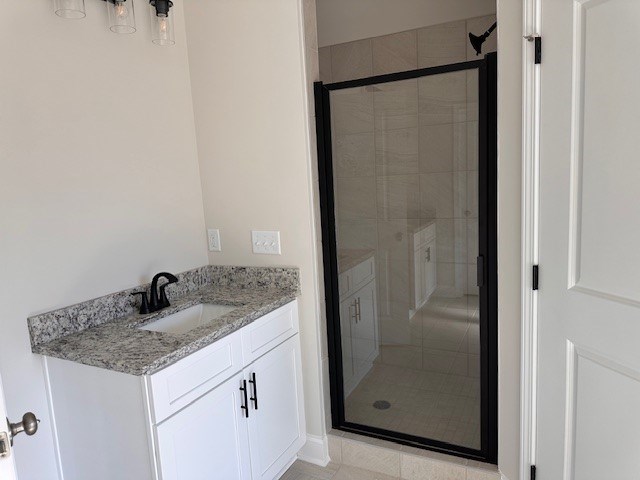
(480, 266)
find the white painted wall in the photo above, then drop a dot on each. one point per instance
(99, 182)
(341, 21)
(510, 43)
(248, 82)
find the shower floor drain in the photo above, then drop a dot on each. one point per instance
(381, 405)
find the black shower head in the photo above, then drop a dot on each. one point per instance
(477, 41)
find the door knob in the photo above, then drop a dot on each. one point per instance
(28, 425)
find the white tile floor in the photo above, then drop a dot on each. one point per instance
(433, 383)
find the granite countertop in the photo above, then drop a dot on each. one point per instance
(117, 344)
(349, 258)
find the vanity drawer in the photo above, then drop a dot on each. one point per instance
(269, 331)
(362, 273)
(181, 383)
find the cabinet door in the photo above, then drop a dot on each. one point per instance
(276, 417)
(418, 278)
(430, 270)
(365, 341)
(208, 439)
(347, 314)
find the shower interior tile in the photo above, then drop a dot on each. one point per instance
(461, 244)
(401, 355)
(442, 44)
(398, 197)
(396, 151)
(396, 104)
(472, 194)
(442, 98)
(393, 238)
(357, 233)
(445, 238)
(473, 89)
(324, 57)
(351, 60)
(356, 198)
(352, 111)
(446, 275)
(472, 279)
(354, 155)
(472, 145)
(436, 197)
(472, 241)
(436, 148)
(393, 53)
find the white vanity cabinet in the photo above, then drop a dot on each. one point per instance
(230, 411)
(424, 265)
(208, 439)
(358, 322)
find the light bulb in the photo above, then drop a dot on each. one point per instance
(121, 16)
(163, 25)
(122, 11)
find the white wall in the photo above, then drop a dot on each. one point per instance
(341, 21)
(248, 82)
(510, 42)
(99, 183)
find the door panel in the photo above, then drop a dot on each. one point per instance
(277, 430)
(7, 466)
(588, 330)
(208, 439)
(407, 178)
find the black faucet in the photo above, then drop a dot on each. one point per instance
(158, 302)
(159, 299)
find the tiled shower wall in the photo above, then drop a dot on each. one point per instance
(406, 153)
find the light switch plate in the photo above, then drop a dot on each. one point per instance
(267, 243)
(213, 235)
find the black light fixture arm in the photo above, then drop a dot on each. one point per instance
(162, 7)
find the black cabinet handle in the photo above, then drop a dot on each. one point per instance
(245, 404)
(255, 390)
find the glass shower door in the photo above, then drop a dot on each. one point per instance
(401, 193)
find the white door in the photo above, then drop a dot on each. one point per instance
(7, 466)
(588, 415)
(208, 439)
(276, 418)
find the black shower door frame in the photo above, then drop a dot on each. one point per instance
(487, 261)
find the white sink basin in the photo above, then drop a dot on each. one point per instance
(189, 318)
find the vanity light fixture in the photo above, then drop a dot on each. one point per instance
(122, 17)
(69, 8)
(161, 22)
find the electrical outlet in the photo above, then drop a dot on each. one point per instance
(267, 243)
(213, 235)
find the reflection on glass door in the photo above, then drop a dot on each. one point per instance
(401, 165)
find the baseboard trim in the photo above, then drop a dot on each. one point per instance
(315, 450)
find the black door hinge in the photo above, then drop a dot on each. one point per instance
(538, 49)
(536, 275)
(533, 472)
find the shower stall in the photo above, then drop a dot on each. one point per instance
(407, 168)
